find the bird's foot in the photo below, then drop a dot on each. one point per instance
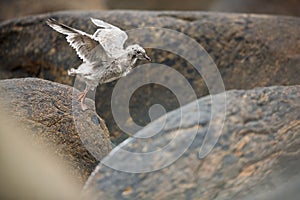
(81, 98)
(83, 106)
(72, 72)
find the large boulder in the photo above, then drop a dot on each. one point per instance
(249, 51)
(16, 8)
(288, 7)
(257, 153)
(47, 111)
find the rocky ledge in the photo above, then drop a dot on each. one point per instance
(46, 110)
(249, 50)
(256, 157)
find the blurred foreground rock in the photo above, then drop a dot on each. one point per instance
(249, 50)
(256, 155)
(45, 109)
(29, 170)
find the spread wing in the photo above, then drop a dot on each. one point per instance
(87, 48)
(110, 37)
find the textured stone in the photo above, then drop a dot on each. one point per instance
(45, 109)
(249, 50)
(257, 151)
(288, 7)
(18, 8)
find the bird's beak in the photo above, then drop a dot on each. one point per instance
(147, 57)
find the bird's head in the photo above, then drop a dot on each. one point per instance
(137, 52)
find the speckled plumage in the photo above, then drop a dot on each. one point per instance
(103, 54)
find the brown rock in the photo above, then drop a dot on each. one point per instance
(18, 8)
(257, 153)
(46, 109)
(288, 7)
(249, 50)
(278, 7)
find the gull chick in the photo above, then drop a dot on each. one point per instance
(103, 54)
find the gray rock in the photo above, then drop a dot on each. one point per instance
(249, 50)
(258, 151)
(288, 7)
(45, 109)
(16, 8)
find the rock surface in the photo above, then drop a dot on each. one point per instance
(257, 151)
(18, 8)
(288, 7)
(249, 50)
(45, 108)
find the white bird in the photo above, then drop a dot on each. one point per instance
(103, 54)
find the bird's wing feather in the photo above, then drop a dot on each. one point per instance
(110, 37)
(103, 24)
(87, 48)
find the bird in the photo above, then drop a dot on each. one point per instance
(104, 56)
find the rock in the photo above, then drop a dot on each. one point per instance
(249, 50)
(15, 8)
(160, 5)
(19, 8)
(289, 7)
(30, 170)
(45, 108)
(258, 150)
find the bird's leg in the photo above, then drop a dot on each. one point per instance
(81, 98)
(83, 106)
(81, 95)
